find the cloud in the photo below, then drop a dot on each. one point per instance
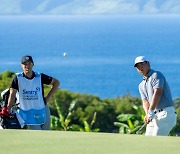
(170, 6)
(114, 7)
(150, 7)
(76, 7)
(40, 9)
(97, 7)
(10, 7)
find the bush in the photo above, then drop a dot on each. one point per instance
(90, 113)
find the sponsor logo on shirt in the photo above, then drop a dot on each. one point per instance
(31, 94)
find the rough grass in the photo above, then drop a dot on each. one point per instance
(57, 142)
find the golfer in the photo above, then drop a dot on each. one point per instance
(157, 100)
(33, 104)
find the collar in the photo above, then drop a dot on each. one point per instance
(151, 71)
(33, 75)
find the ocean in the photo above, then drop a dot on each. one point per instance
(100, 50)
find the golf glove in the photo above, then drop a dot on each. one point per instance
(151, 114)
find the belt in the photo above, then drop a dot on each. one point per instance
(160, 110)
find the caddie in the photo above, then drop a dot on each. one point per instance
(33, 104)
(156, 98)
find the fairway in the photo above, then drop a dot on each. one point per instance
(54, 142)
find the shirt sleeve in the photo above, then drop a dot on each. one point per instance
(158, 80)
(14, 83)
(46, 79)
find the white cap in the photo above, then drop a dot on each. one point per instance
(139, 59)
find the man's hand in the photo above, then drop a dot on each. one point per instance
(4, 112)
(147, 120)
(150, 116)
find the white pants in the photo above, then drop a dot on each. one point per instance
(46, 125)
(163, 122)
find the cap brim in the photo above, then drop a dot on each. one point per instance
(26, 61)
(135, 65)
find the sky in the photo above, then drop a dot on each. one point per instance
(88, 7)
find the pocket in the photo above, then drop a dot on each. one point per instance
(33, 117)
(40, 117)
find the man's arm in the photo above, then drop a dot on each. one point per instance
(11, 99)
(157, 84)
(156, 98)
(55, 84)
(146, 108)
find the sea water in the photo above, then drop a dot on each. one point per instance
(100, 50)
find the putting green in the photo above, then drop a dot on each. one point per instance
(58, 142)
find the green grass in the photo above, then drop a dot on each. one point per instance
(58, 142)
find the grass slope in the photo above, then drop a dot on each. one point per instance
(58, 142)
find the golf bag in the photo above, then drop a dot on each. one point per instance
(10, 122)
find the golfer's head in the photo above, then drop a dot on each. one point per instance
(142, 65)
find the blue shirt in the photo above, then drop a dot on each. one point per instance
(156, 80)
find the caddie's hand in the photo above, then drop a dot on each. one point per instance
(4, 112)
(47, 98)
